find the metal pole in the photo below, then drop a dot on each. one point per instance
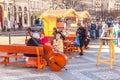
(4, 4)
(14, 14)
(9, 38)
(3, 28)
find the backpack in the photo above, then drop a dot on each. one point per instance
(81, 32)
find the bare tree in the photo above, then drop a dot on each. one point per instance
(57, 4)
(81, 7)
(78, 5)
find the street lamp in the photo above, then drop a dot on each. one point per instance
(4, 16)
(14, 15)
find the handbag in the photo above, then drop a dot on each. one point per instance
(77, 41)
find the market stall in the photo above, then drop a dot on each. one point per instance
(55, 18)
(83, 14)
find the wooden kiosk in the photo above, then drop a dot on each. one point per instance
(50, 18)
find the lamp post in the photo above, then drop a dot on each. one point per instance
(5, 16)
(14, 15)
(3, 28)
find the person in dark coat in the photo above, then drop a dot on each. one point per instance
(81, 33)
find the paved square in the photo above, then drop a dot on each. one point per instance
(79, 68)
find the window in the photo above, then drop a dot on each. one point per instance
(25, 15)
(15, 16)
(20, 14)
(8, 13)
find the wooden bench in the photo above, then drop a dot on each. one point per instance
(17, 53)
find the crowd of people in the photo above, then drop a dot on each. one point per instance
(37, 39)
(97, 29)
(94, 31)
(101, 29)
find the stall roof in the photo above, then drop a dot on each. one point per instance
(83, 14)
(60, 13)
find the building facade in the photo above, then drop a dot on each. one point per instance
(1, 15)
(13, 13)
(117, 5)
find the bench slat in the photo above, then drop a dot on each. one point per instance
(10, 56)
(28, 49)
(8, 48)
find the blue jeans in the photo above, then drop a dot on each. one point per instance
(93, 34)
(100, 32)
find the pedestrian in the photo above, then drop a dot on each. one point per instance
(97, 30)
(116, 32)
(109, 22)
(93, 30)
(100, 29)
(8, 27)
(14, 22)
(81, 33)
(105, 32)
(87, 41)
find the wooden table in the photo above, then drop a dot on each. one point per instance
(111, 51)
(67, 47)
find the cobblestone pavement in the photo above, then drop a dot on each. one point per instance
(79, 68)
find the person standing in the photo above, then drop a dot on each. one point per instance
(109, 22)
(81, 33)
(116, 32)
(87, 41)
(93, 30)
(14, 22)
(105, 32)
(97, 30)
(100, 29)
(8, 27)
